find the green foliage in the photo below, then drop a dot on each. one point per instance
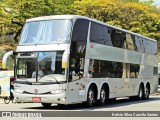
(3, 49)
(127, 14)
(139, 16)
(147, 2)
(14, 12)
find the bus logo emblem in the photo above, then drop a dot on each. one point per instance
(36, 91)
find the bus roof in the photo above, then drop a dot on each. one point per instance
(83, 17)
(56, 17)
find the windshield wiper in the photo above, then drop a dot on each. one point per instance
(28, 82)
(55, 79)
(23, 82)
(50, 77)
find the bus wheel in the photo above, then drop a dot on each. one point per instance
(61, 105)
(103, 96)
(132, 98)
(112, 100)
(7, 100)
(90, 97)
(140, 93)
(46, 105)
(146, 94)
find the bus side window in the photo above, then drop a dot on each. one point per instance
(78, 49)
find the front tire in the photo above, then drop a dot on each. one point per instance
(90, 97)
(46, 105)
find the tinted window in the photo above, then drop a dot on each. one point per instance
(147, 45)
(154, 49)
(100, 34)
(118, 38)
(155, 70)
(78, 48)
(130, 42)
(139, 45)
(134, 70)
(112, 37)
(80, 30)
(100, 69)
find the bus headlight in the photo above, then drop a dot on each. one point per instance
(58, 91)
(18, 91)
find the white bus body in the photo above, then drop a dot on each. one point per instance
(88, 61)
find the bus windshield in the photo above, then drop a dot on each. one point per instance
(40, 67)
(46, 32)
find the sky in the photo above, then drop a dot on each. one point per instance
(157, 2)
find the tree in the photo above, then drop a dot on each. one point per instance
(133, 16)
(139, 16)
(15, 12)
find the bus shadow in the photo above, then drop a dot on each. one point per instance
(113, 104)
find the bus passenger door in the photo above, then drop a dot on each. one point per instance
(73, 91)
(77, 56)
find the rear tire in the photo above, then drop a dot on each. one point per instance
(46, 105)
(103, 96)
(61, 105)
(146, 94)
(140, 93)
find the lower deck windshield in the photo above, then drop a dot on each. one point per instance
(40, 67)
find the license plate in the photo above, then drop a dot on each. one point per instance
(36, 99)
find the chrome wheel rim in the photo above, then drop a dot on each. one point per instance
(91, 97)
(140, 93)
(103, 96)
(146, 93)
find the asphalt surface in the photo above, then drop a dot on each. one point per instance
(123, 104)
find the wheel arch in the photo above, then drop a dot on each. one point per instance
(106, 86)
(94, 87)
(148, 86)
(140, 85)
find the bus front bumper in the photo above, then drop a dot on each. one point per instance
(51, 98)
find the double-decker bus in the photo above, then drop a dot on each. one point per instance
(67, 59)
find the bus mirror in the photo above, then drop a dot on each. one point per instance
(65, 59)
(64, 64)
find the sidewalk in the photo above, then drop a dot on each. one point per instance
(1, 100)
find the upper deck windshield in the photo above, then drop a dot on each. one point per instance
(40, 67)
(46, 32)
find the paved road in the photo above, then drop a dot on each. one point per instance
(124, 104)
(153, 104)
